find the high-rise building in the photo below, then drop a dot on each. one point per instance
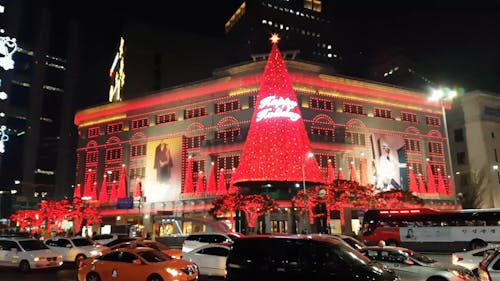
(37, 161)
(305, 26)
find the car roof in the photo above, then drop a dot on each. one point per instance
(315, 237)
(135, 250)
(17, 238)
(386, 248)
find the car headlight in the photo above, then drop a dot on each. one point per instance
(172, 271)
(95, 253)
(35, 259)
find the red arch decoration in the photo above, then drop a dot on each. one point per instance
(91, 144)
(228, 121)
(323, 119)
(113, 140)
(412, 131)
(434, 134)
(355, 123)
(196, 126)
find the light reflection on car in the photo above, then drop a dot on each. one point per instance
(411, 265)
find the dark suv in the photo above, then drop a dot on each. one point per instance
(300, 257)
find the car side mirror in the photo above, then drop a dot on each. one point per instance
(137, 261)
(68, 246)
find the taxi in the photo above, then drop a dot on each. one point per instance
(141, 264)
(174, 253)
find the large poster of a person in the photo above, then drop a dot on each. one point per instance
(163, 162)
(389, 158)
(163, 170)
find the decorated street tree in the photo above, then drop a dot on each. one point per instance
(52, 213)
(227, 203)
(342, 195)
(256, 205)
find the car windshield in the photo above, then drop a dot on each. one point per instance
(154, 256)
(156, 245)
(419, 257)
(32, 245)
(354, 243)
(351, 256)
(82, 242)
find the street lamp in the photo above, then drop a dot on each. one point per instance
(307, 156)
(442, 95)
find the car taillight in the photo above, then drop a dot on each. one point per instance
(455, 259)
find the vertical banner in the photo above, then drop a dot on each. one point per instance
(389, 157)
(163, 170)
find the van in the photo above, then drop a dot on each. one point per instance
(300, 257)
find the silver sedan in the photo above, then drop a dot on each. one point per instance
(413, 266)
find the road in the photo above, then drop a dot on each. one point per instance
(68, 272)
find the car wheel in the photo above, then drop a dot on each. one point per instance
(476, 244)
(93, 276)
(155, 277)
(24, 266)
(79, 258)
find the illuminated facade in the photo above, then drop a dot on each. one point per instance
(348, 122)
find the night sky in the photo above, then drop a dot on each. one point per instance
(453, 44)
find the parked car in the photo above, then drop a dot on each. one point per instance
(348, 240)
(136, 264)
(471, 259)
(489, 267)
(211, 259)
(413, 266)
(75, 249)
(121, 240)
(199, 239)
(300, 257)
(174, 253)
(27, 253)
(353, 242)
(106, 238)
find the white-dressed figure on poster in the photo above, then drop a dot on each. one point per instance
(163, 163)
(387, 170)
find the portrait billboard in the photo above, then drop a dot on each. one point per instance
(389, 159)
(163, 170)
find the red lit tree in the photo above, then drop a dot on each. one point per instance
(255, 205)
(227, 203)
(277, 144)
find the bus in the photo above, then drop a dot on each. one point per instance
(432, 230)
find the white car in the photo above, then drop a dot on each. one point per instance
(471, 259)
(27, 253)
(106, 238)
(75, 249)
(210, 259)
(199, 239)
(412, 266)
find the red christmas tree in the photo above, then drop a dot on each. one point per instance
(277, 145)
(211, 185)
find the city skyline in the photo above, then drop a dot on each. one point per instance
(452, 44)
